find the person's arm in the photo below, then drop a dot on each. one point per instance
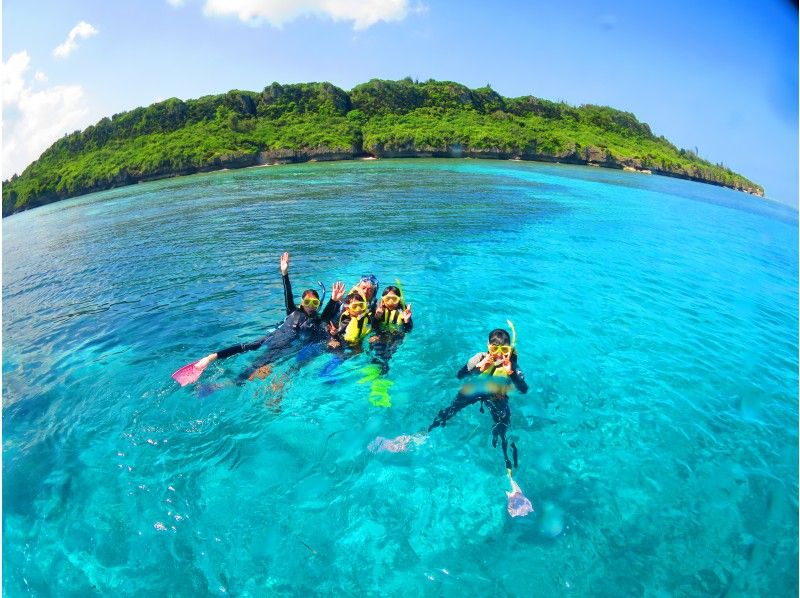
(334, 303)
(407, 323)
(344, 320)
(518, 378)
(330, 310)
(287, 286)
(287, 295)
(376, 318)
(471, 365)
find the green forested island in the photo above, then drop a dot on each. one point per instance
(319, 121)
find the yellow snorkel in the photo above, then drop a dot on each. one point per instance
(513, 334)
(400, 288)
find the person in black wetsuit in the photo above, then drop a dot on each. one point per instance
(495, 368)
(390, 322)
(303, 326)
(355, 323)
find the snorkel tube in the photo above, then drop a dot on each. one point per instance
(324, 292)
(513, 334)
(513, 337)
(400, 288)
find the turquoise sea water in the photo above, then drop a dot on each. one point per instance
(657, 326)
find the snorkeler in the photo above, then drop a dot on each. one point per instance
(302, 327)
(302, 323)
(391, 321)
(367, 287)
(498, 366)
(354, 323)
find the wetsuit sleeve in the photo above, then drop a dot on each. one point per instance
(344, 320)
(408, 326)
(287, 295)
(518, 378)
(330, 311)
(240, 348)
(376, 320)
(471, 365)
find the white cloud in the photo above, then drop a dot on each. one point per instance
(40, 77)
(37, 118)
(82, 30)
(363, 13)
(12, 77)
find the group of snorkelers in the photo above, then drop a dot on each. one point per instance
(344, 323)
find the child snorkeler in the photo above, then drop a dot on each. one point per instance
(391, 321)
(354, 323)
(493, 371)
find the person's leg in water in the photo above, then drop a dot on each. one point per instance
(340, 353)
(383, 347)
(501, 415)
(280, 345)
(278, 383)
(462, 400)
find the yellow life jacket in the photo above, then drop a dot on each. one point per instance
(494, 370)
(499, 388)
(392, 319)
(357, 328)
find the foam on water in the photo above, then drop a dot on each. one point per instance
(657, 327)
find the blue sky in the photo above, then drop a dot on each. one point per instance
(718, 76)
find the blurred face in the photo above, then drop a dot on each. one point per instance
(499, 351)
(391, 301)
(365, 288)
(310, 304)
(357, 307)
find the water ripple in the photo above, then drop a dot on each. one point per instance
(656, 323)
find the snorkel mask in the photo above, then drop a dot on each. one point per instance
(310, 301)
(391, 301)
(356, 308)
(505, 351)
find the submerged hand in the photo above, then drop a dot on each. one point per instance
(338, 291)
(331, 329)
(285, 263)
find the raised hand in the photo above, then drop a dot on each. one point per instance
(488, 361)
(407, 314)
(285, 263)
(509, 369)
(338, 290)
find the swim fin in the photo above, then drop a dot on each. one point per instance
(191, 372)
(518, 503)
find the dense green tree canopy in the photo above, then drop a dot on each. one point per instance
(320, 121)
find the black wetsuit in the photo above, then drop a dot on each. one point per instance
(390, 331)
(298, 326)
(497, 402)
